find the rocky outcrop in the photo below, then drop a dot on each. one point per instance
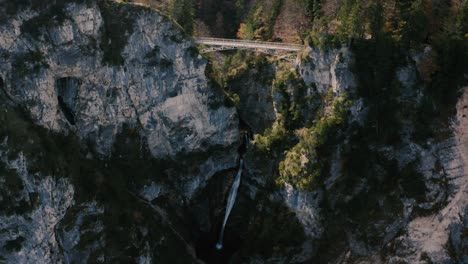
(320, 71)
(437, 237)
(80, 234)
(108, 73)
(266, 92)
(328, 70)
(256, 104)
(306, 206)
(32, 206)
(425, 223)
(458, 242)
(77, 74)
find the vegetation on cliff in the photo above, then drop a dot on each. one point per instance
(385, 37)
(304, 164)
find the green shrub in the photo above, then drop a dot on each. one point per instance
(451, 46)
(271, 137)
(272, 19)
(165, 63)
(234, 67)
(352, 23)
(235, 99)
(302, 165)
(313, 7)
(183, 11)
(292, 88)
(153, 53)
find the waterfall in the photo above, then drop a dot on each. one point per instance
(230, 204)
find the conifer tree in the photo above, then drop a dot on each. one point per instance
(183, 11)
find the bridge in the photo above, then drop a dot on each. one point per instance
(273, 48)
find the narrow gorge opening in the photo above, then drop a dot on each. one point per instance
(67, 93)
(206, 233)
(1, 83)
(215, 196)
(230, 204)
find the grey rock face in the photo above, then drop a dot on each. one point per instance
(30, 237)
(430, 235)
(74, 228)
(435, 236)
(458, 238)
(62, 78)
(66, 74)
(256, 105)
(306, 206)
(151, 191)
(160, 87)
(319, 71)
(328, 70)
(213, 164)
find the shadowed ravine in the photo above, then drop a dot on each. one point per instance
(230, 204)
(222, 242)
(220, 131)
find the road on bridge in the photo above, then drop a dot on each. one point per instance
(249, 44)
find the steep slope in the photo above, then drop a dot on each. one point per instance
(105, 107)
(430, 235)
(83, 74)
(115, 146)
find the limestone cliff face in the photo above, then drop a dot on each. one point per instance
(325, 70)
(32, 207)
(420, 216)
(438, 237)
(114, 145)
(317, 74)
(81, 74)
(319, 71)
(103, 72)
(427, 226)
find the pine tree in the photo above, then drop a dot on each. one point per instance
(376, 21)
(352, 23)
(315, 9)
(183, 11)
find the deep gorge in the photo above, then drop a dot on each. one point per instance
(121, 138)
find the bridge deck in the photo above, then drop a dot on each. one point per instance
(249, 44)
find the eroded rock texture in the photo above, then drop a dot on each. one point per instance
(94, 73)
(99, 67)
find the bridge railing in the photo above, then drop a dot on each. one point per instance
(201, 39)
(253, 43)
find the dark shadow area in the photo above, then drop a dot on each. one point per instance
(207, 215)
(206, 245)
(66, 111)
(67, 93)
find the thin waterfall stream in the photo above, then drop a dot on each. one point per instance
(230, 203)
